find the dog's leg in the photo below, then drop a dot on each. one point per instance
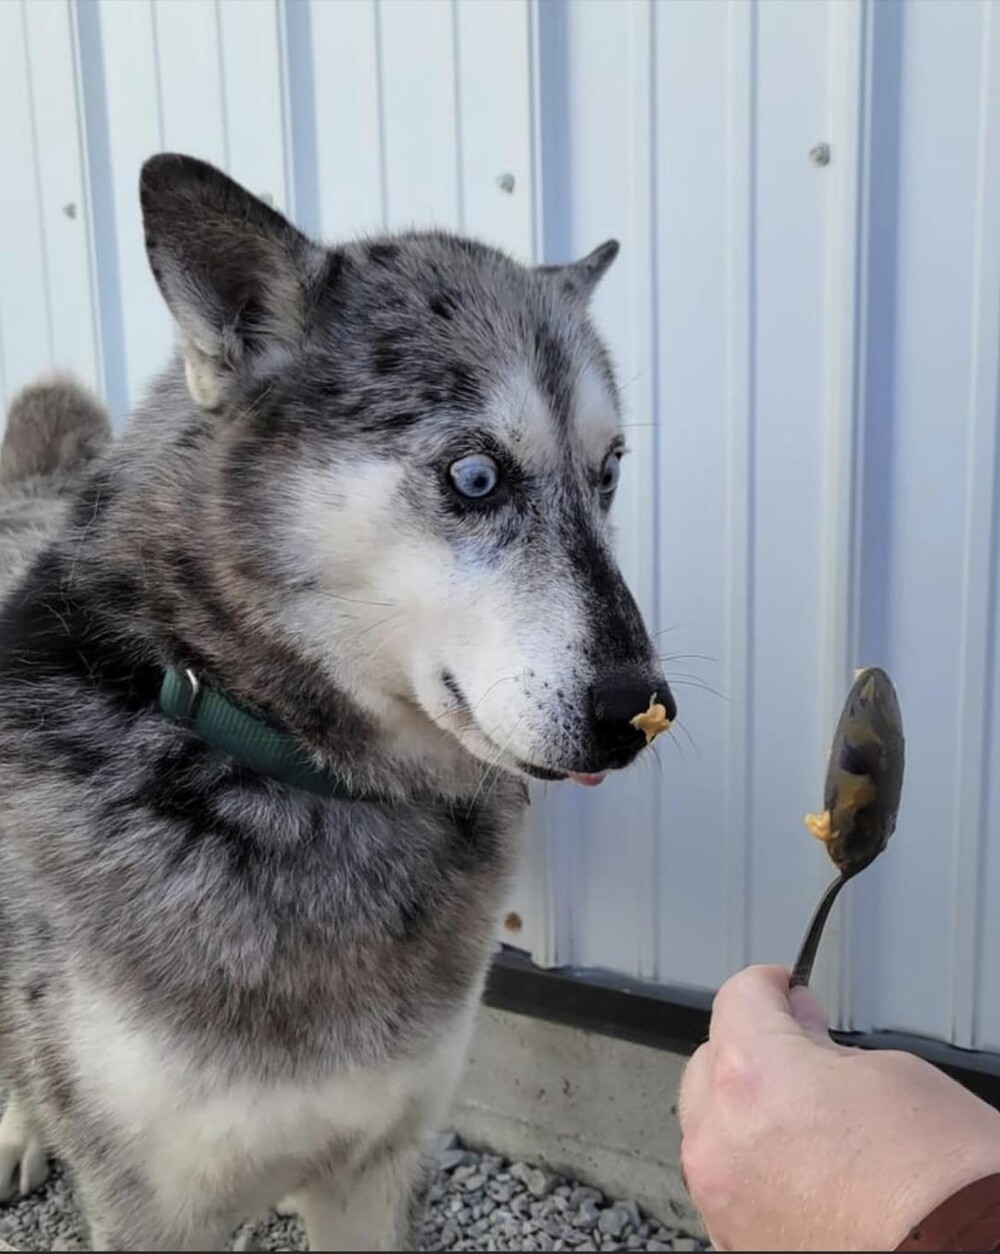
(24, 1163)
(378, 1207)
(124, 1213)
(116, 1229)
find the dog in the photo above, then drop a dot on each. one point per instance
(274, 677)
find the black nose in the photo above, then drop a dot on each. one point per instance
(616, 700)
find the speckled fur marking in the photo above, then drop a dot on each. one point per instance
(217, 991)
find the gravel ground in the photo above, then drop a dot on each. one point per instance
(476, 1202)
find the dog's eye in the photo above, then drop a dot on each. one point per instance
(610, 472)
(474, 476)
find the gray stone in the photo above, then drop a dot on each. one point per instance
(539, 1183)
(475, 1202)
(613, 1221)
(632, 1210)
(586, 1215)
(450, 1159)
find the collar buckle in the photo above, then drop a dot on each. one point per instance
(190, 697)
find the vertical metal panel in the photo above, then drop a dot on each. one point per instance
(419, 120)
(787, 471)
(492, 58)
(975, 993)
(253, 106)
(26, 338)
(840, 977)
(741, 68)
(61, 188)
(939, 163)
(702, 76)
(347, 82)
(134, 126)
(189, 69)
(988, 1004)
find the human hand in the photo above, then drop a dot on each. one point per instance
(791, 1142)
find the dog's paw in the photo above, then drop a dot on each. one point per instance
(24, 1164)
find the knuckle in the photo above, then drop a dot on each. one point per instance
(734, 1077)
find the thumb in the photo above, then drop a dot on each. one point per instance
(809, 1014)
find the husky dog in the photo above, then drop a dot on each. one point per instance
(365, 508)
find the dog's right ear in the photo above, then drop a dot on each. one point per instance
(233, 271)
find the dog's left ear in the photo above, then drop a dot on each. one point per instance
(233, 271)
(580, 278)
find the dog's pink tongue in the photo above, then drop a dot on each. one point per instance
(588, 781)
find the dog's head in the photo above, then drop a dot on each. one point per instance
(429, 436)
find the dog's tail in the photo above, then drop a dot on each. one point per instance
(54, 427)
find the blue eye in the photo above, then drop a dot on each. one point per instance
(610, 472)
(474, 476)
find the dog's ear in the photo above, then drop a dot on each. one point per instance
(580, 278)
(234, 272)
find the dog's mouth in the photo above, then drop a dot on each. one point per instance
(498, 754)
(579, 777)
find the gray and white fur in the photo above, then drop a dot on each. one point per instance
(218, 991)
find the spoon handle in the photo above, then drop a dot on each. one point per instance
(802, 971)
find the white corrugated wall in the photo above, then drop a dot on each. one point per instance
(810, 360)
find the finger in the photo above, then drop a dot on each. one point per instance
(692, 1100)
(754, 999)
(810, 1014)
(756, 1004)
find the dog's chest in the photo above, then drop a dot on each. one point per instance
(196, 1128)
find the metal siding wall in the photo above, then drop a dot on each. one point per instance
(809, 359)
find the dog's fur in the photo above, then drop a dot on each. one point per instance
(216, 990)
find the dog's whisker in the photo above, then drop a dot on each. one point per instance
(493, 766)
(681, 726)
(381, 623)
(699, 685)
(341, 598)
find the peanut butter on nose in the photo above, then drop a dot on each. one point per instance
(652, 721)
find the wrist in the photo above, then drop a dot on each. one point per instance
(943, 1175)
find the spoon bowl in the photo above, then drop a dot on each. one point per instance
(861, 795)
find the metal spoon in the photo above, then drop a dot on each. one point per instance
(864, 781)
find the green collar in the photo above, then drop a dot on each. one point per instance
(247, 737)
